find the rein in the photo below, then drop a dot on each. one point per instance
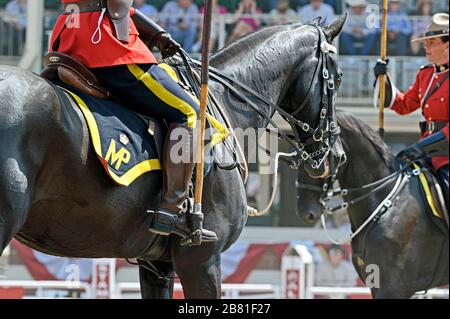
(401, 177)
(327, 129)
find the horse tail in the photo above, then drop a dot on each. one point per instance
(26, 107)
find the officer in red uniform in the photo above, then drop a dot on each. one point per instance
(430, 93)
(108, 37)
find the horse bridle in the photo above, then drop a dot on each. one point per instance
(327, 128)
(327, 193)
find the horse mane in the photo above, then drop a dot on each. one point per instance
(251, 40)
(351, 123)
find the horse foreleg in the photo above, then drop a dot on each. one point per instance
(15, 190)
(154, 286)
(201, 280)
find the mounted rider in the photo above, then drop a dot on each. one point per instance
(108, 37)
(430, 93)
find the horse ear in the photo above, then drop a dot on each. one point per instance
(333, 30)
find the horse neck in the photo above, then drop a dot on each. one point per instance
(268, 69)
(366, 165)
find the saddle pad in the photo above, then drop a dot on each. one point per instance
(433, 193)
(120, 138)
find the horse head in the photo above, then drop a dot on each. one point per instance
(311, 100)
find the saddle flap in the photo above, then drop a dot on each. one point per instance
(73, 79)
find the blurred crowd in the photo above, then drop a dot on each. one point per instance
(182, 18)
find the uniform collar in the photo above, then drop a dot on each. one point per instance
(441, 68)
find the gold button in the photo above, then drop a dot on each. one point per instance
(437, 77)
(442, 99)
(427, 106)
(420, 96)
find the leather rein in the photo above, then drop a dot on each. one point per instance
(327, 128)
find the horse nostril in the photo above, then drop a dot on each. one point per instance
(311, 218)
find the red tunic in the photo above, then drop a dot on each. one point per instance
(78, 43)
(434, 109)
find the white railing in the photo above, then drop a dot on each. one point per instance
(40, 287)
(229, 291)
(344, 292)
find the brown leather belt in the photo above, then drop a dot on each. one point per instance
(83, 6)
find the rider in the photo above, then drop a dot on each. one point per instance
(429, 92)
(105, 36)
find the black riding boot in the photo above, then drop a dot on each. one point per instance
(175, 214)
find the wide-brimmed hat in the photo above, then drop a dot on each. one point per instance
(438, 28)
(357, 3)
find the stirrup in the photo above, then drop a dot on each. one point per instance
(164, 223)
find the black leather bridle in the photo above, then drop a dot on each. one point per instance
(327, 129)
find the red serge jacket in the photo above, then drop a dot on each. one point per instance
(435, 108)
(75, 34)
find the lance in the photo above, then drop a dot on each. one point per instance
(207, 20)
(383, 56)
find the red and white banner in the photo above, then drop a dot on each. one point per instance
(237, 262)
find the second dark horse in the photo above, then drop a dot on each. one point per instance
(409, 249)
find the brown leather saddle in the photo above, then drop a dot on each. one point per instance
(72, 72)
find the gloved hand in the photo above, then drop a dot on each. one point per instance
(411, 153)
(381, 67)
(166, 45)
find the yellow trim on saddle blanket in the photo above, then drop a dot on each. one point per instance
(428, 195)
(216, 138)
(132, 174)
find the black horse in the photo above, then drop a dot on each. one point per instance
(410, 250)
(55, 198)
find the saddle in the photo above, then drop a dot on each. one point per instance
(73, 73)
(63, 68)
(433, 192)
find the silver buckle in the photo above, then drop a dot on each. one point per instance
(325, 74)
(331, 85)
(431, 127)
(320, 138)
(306, 127)
(305, 155)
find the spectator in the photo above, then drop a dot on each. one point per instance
(217, 10)
(335, 272)
(282, 13)
(425, 11)
(356, 32)
(316, 8)
(15, 20)
(246, 21)
(399, 29)
(16, 11)
(145, 8)
(180, 18)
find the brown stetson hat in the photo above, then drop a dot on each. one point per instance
(438, 28)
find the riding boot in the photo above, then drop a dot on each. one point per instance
(175, 215)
